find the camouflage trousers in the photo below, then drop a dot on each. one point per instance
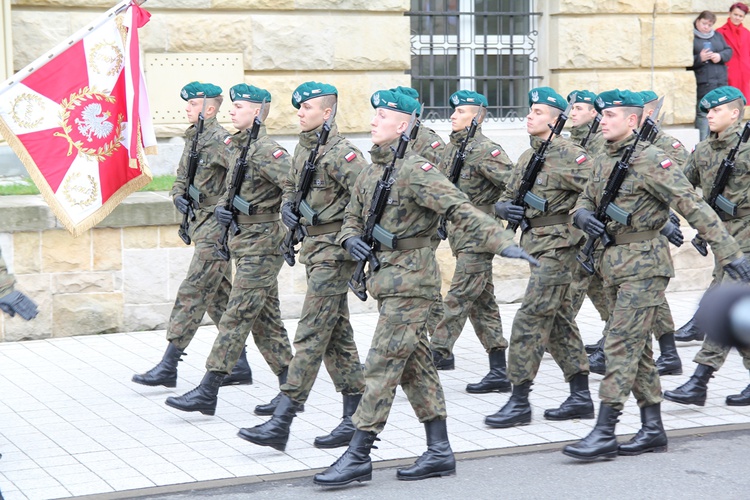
(546, 319)
(400, 354)
(253, 305)
(471, 296)
(6, 280)
(627, 349)
(325, 334)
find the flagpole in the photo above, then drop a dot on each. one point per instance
(63, 46)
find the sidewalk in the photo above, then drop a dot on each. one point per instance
(72, 423)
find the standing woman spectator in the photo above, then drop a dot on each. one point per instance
(738, 38)
(710, 55)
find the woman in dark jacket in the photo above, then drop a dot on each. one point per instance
(710, 54)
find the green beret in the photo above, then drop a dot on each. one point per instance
(648, 96)
(720, 96)
(311, 90)
(195, 90)
(618, 98)
(547, 95)
(406, 90)
(584, 96)
(467, 98)
(396, 101)
(251, 93)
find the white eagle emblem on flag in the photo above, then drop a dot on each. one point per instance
(94, 122)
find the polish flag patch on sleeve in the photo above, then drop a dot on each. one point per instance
(581, 159)
(278, 153)
(426, 167)
(350, 156)
(666, 163)
(495, 153)
(676, 144)
(227, 140)
(435, 144)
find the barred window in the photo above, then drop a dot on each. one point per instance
(483, 45)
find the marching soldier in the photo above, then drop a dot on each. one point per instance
(406, 285)
(208, 282)
(636, 269)
(725, 107)
(582, 115)
(671, 147)
(427, 143)
(254, 300)
(483, 177)
(12, 301)
(324, 332)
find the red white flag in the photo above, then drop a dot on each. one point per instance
(79, 120)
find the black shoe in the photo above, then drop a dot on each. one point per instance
(241, 373)
(598, 362)
(695, 390)
(443, 363)
(268, 408)
(165, 373)
(437, 461)
(203, 398)
(601, 441)
(651, 436)
(741, 399)
(591, 348)
(578, 404)
(689, 331)
(496, 380)
(343, 433)
(517, 411)
(275, 432)
(669, 362)
(353, 465)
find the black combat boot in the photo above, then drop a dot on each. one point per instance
(268, 409)
(275, 432)
(443, 363)
(342, 434)
(353, 465)
(689, 331)
(741, 399)
(165, 373)
(669, 362)
(578, 404)
(591, 348)
(437, 461)
(601, 442)
(495, 380)
(598, 361)
(241, 373)
(517, 411)
(651, 436)
(694, 391)
(203, 398)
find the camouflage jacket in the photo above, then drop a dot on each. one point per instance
(419, 196)
(703, 166)
(653, 184)
(268, 165)
(560, 182)
(337, 166)
(596, 143)
(428, 145)
(671, 147)
(6, 280)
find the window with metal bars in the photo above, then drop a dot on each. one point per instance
(488, 46)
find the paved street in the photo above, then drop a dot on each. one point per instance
(72, 423)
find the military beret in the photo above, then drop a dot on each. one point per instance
(251, 93)
(198, 90)
(406, 90)
(720, 96)
(618, 98)
(311, 90)
(584, 96)
(396, 101)
(548, 96)
(467, 98)
(648, 96)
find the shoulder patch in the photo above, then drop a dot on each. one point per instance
(495, 153)
(693, 150)
(228, 140)
(666, 163)
(581, 159)
(435, 144)
(350, 156)
(426, 167)
(278, 153)
(676, 144)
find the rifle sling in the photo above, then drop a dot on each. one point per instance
(409, 244)
(624, 239)
(208, 202)
(257, 218)
(550, 220)
(741, 212)
(331, 227)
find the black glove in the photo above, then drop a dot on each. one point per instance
(16, 302)
(223, 215)
(674, 218)
(739, 269)
(508, 211)
(516, 252)
(584, 219)
(357, 248)
(182, 204)
(673, 233)
(288, 217)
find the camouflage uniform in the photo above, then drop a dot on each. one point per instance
(408, 281)
(6, 280)
(546, 318)
(208, 282)
(596, 143)
(254, 301)
(701, 170)
(637, 273)
(472, 294)
(324, 332)
(671, 147)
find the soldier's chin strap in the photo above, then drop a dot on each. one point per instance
(16, 302)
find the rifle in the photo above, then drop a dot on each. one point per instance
(417, 124)
(374, 234)
(300, 207)
(191, 192)
(524, 196)
(458, 161)
(234, 202)
(607, 209)
(716, 200)
(592, 129)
